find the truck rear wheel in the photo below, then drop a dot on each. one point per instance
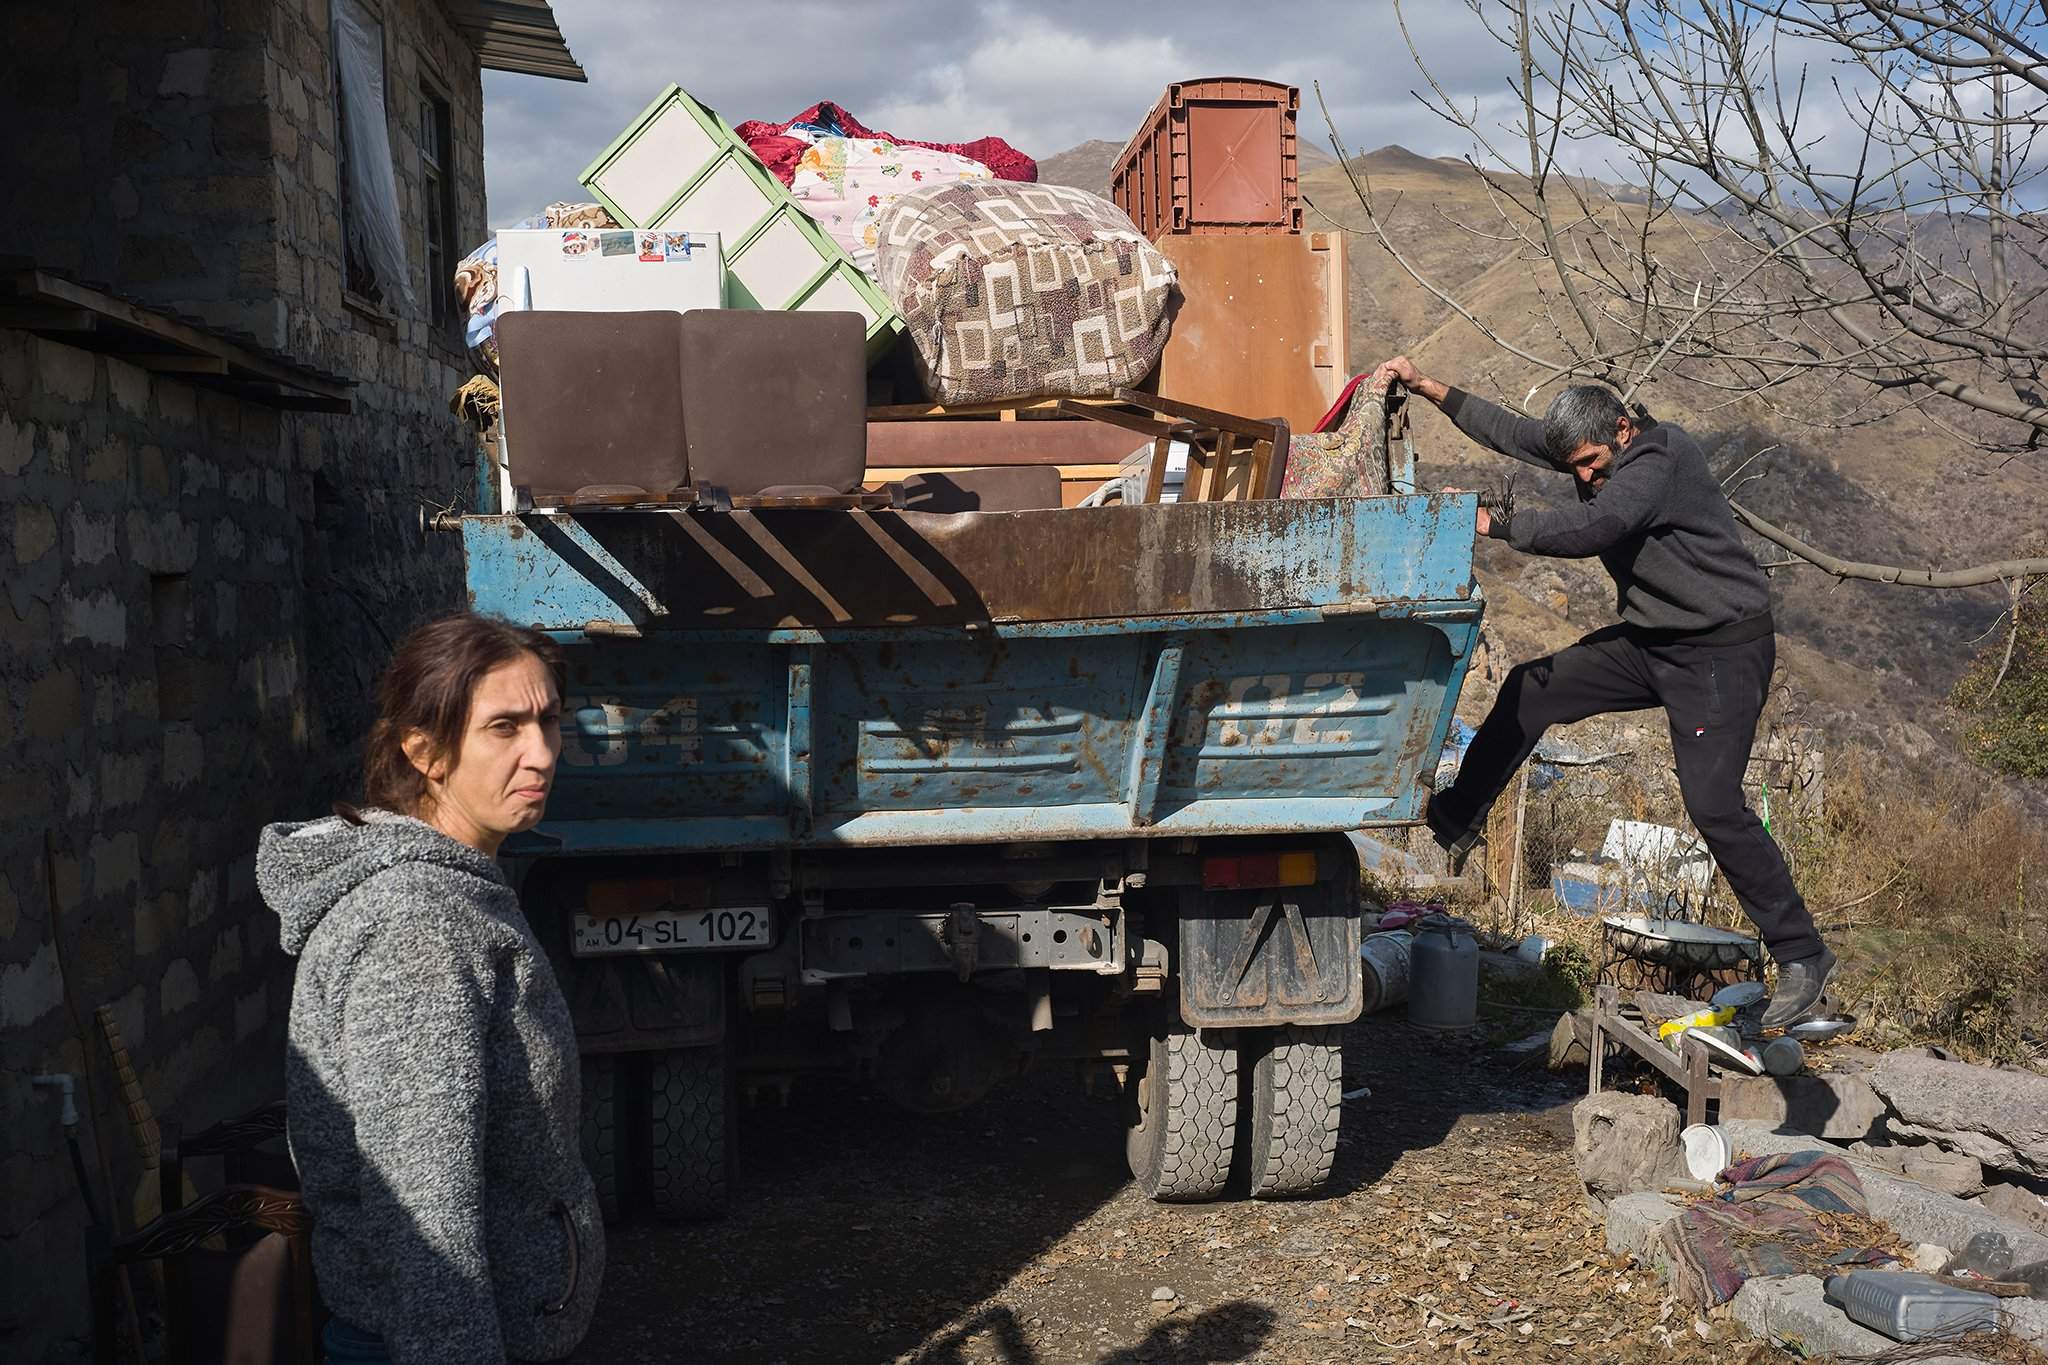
(601, 1146)
(1185, 1132)
(1297, 1101)
(688, 1116)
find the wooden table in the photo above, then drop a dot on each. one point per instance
(1689, 1070)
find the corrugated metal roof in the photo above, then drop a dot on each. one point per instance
(516, 35)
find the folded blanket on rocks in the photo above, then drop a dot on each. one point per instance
(1790, 1213)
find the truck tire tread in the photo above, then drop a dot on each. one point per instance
(1297, 1103)
(1181, 1150)
(600, 1130)
(687, 1132)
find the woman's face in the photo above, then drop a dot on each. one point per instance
(498, 783)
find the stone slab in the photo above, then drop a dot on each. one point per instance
(2021, 1206)
(1950, 1172)
(1633, 1218)
(1571, 1041)
(1794, 1311)
(2026, 1319)
(1835, 1105)
(1998, 1115)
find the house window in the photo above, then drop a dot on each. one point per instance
(373, 244)
(437, 192)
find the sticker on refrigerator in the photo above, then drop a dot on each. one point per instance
(650, 246)
(616, 243)
(677, 245)
(577, 245)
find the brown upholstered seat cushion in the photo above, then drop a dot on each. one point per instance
(775, 400)
(593, 399)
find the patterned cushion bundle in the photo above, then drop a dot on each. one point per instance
(1015, 291)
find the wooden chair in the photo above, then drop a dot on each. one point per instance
(236, 1142)
(237, 1262)
(1230, 458)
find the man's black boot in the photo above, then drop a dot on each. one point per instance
(1456, 844)
(1799, 989)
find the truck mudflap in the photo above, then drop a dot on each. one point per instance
(1265, 958)
(633, 1003)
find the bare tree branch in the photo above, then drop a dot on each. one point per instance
(1744, 465)
(1973, 577)
(1910, 267)
(2012, 636)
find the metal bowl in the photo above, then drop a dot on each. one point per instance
(1676, 943)
(1820, 1030)
(1741, 995)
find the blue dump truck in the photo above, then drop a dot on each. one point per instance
(933, 798)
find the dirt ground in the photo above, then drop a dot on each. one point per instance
(1011, 1234)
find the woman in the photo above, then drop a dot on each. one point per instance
(432, 1075)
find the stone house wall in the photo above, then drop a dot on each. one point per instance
(197, 590)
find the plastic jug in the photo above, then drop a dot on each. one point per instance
(1909, 1307)
(1443, 975)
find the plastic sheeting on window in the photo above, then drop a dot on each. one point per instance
(371, 217)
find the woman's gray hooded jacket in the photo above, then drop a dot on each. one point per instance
(432, 1090)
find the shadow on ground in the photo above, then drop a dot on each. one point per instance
(1228, 1332)
(860, 1233)
(1421, 1084)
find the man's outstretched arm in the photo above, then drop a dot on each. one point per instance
(1494, 427)
(1630, 503)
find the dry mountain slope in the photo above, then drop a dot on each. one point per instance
(1872, 662)
(1877, 660)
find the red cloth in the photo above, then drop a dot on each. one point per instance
(779, 152)
(1335, 416)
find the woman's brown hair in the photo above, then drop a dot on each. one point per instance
(428, 687)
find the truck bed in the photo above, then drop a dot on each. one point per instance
(800, 679)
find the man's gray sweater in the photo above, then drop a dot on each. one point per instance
(432, 1092)
(1660, 525)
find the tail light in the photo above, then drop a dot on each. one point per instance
(628, 896)
(1258, 870)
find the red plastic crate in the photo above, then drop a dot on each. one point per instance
(1214, 157)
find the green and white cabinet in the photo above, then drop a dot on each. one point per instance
(679, 166)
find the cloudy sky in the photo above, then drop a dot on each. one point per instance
(1044, 74)
(1048, 74)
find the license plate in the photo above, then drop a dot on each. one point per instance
(668, 931)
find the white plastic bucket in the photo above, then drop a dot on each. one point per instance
(1706, 1151)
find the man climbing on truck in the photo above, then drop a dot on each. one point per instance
(1695, 638)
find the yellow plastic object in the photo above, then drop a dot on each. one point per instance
(1709, 1018)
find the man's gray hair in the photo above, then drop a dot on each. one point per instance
(1585, 413)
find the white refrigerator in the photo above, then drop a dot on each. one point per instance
(604, 270)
